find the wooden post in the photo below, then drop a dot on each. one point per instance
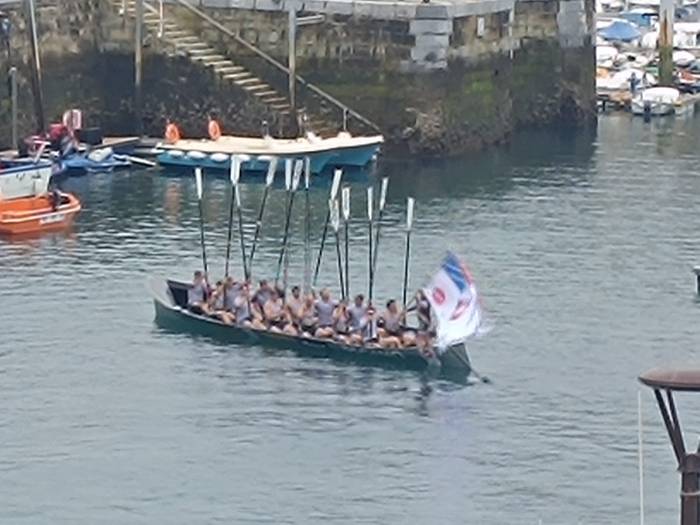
(293, 66)
(666, 14)
(696, 271)
(138, 67)
(13, 99)
(36, 67)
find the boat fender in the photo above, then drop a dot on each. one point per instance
(196, 155)
(219, 157)
(175, 153)
(100, 155)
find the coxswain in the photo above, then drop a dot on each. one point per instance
(172, 133)
(214, 127)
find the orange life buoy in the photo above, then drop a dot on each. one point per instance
(214, 130)
(172, 134)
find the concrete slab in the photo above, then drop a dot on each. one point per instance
(430, 26)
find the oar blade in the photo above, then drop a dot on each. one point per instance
(198, 182)
(336, 183)
(370, 203)
(409, 213)
(345, 199)
(382, 196)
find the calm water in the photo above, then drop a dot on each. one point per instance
(582, 246)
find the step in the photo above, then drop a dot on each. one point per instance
(199, 47)
(217, 63)
(256, 87)
(228, 70)
(177, 33)
(280, 107)
(242, 76)
(271, 100)
(205, 58)
(249, 80)
(263, 94)
(187, 40)
(199, 51)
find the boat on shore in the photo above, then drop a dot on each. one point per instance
(24, 177)
(29, 215)
(343, 150)
(170, 301)
(657, 102)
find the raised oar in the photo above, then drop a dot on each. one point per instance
(382, 203)
(409, 225)
(307, 226)
(288, 164)
(334, 193)
(345, 201)
(292, 188)
(271, 169)
(237, 193)
(298, 167)
(335, 222)
(200, 192)
(370, 215)
(233, 176)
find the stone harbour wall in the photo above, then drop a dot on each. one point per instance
(439, 77)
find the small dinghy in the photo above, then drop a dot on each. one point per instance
(24, 177)
(29, 215)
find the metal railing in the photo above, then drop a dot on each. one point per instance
(326, 97)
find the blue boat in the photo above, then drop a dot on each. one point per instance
(97, 161)
(341, 151)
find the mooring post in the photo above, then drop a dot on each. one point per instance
(696, 271)
(292, 66)
(138, 67)
(666, 14)
(13, 99)
(36, 67)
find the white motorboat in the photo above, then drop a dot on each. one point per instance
(20, 178)
(656, 101)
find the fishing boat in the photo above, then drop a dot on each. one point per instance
(29, 215)
(24, 177)
(170, 301)
(343, 150)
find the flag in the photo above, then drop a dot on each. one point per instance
(456, 305)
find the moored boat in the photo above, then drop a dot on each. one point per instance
(343, 150)
(23, 177)
(170, 301)
(657, 101)
(46, 212)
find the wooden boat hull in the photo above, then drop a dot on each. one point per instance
(453, 364)
(37, 214)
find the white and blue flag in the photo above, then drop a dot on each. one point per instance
(456, 305)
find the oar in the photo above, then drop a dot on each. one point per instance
(307, 226)
(198, 182)
(237, 193)
(335, 222)
(370, 215)
(234, 172)
(382, 203)
(334, 193)
(409, 225)
(345, 201)
(288, 164)
(298, 167)
(294, 185)
(271, 168)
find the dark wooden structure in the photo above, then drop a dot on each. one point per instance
(667, 381)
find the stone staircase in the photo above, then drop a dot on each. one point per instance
(188, 43)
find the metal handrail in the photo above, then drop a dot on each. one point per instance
(318, 91)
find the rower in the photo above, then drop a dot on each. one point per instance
(390, 321)
(216, 304)
(324, 313)
(172, 133)
(308, 320)
(261, 296)
(231, 290)
(422, 311)
(294, 306)
(357, 312)
(213, 127)
(274, 312)
(341, 322)
(197, 294)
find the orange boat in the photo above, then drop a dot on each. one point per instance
(47, 212)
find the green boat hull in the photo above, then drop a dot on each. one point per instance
(453, 364)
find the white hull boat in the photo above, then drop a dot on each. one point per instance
(20, 178)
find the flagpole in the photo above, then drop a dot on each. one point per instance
(334, 193)
(370, 213)
(345, 200)
(409, 225)
(269, 179)
(200, 192)
(335, 221)
(382, 203)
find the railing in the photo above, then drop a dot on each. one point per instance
(326, 97)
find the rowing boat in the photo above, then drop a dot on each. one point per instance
(170, 301)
